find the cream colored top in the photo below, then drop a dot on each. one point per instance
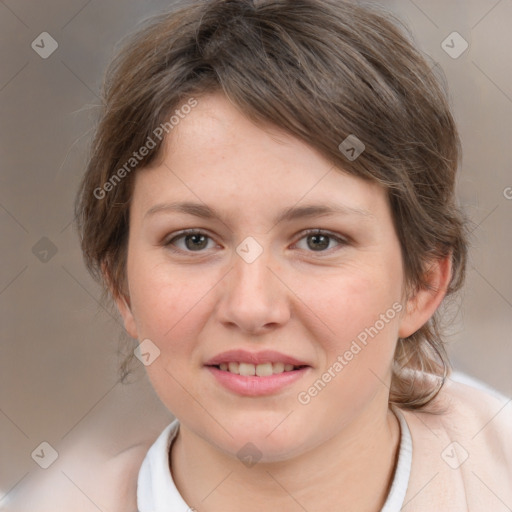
(461, 461)
(156, 491)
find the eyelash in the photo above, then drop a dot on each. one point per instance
(181, 234)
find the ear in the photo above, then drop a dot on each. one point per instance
(125, 311)
(122, 303)
(423, 304)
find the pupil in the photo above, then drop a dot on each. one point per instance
(323, 244)
(195, 237)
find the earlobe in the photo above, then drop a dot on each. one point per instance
(126, 313)
(423, 304)
(122, 304)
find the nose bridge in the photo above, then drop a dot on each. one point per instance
(253, 297)
(251, 272)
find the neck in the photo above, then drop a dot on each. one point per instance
(352, 470)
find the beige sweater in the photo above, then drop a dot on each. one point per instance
(462, 461)
(462, 458)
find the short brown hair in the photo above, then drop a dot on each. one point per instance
(320, 70)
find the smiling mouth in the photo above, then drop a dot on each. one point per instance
(258, 370)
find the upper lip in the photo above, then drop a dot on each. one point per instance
(244, 356)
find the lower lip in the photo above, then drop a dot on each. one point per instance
(256, 386)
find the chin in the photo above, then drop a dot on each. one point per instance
(265, 444)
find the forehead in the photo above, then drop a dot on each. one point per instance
(216, 131)
(216, 155)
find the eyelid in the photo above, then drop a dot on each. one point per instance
(342, 240)
(184, 232)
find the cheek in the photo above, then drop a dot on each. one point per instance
(359, 309)
(351, 301)
(170, 305)
(170, 309)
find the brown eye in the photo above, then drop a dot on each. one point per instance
(318, 240)
(194, 241)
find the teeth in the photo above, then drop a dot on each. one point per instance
(245, 369)
(277, 367)
(264, 370)
(261, 370)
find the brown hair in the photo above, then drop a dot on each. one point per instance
(320, 70)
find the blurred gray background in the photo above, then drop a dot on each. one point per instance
(59, 346)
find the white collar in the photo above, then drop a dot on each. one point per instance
(396, 496)
(156, 491)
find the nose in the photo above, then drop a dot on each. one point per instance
(253, 296)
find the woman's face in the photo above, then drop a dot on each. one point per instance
(253, 279)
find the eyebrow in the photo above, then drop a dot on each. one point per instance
(288, 214)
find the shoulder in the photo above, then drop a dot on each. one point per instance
(83, 479)
(465, 409)
(463, 442)
(121, 472)
(476, 411)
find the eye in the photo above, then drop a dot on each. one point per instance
(194, 241)
(318, 240)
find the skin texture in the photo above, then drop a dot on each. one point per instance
(337, 451)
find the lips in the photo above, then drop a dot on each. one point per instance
(254, 358)
(256, 373)
(261, 370)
